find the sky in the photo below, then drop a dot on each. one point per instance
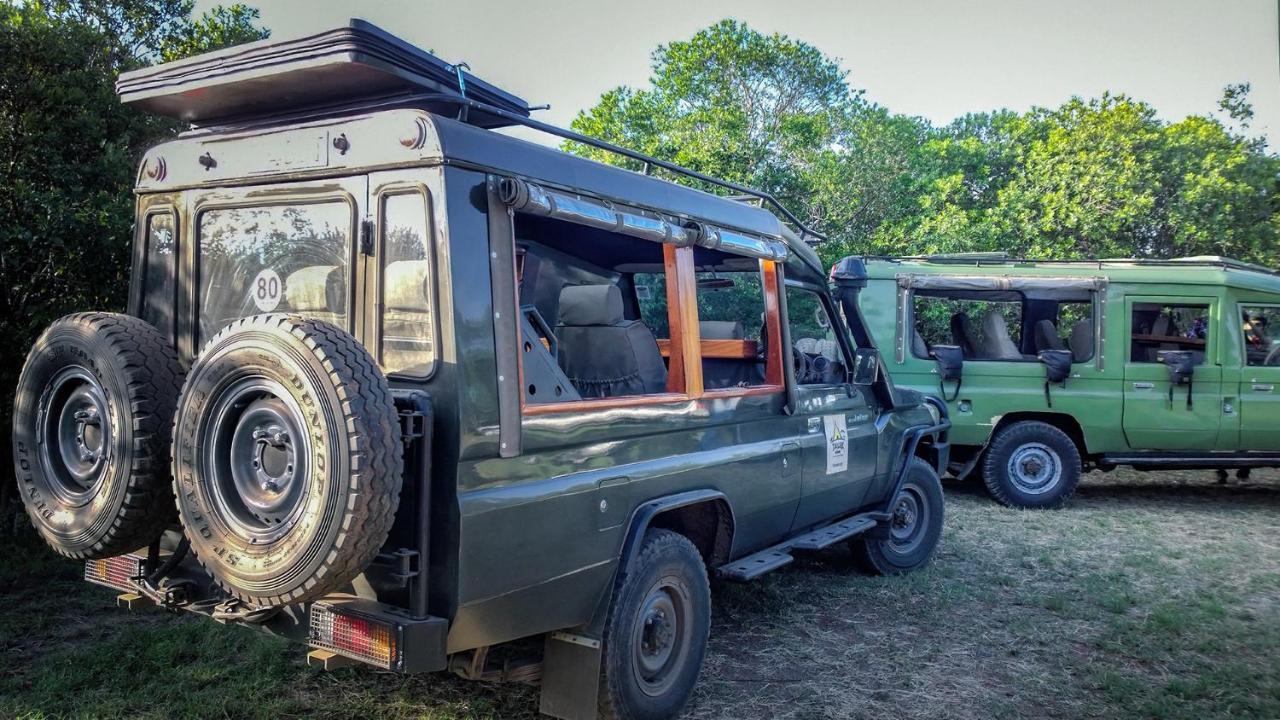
(930, 58)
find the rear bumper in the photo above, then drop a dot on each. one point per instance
(361, 629)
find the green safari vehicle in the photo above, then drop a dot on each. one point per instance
(406, 389)
(1053, 368)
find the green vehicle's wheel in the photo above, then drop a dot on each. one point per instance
(657, 632)
(1031, 464)
(914, 529)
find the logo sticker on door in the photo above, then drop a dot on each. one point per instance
(837, 443)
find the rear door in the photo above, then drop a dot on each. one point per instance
(287, 247)
(1260, 379)
(1157, 414)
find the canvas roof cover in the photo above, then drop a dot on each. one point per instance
(359, 60)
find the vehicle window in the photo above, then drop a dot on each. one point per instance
(159, 272)
(1156, 327)
(984, 329)
(589, 301)
(407, 345)
(1072, 329)
(816, 354)
(731, 315)
(274, 258)
(1261, 324)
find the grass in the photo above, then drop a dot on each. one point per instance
(1150, 595)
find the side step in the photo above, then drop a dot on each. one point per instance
(1191, 461)
(771, 558)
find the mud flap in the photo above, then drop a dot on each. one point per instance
(570, 676)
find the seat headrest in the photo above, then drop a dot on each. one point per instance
(405, 285)
(998, 345)
(1047, 336)
(316, 288)
(1081, 340)
(590, 305)
(720, 330)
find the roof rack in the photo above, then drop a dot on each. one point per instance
(745, 193)
(348, 69)
(1000, 257)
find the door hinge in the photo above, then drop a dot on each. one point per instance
(366, 236)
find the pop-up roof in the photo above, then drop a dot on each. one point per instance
(341, 66)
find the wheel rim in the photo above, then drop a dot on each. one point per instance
(660, 637)
(257, 459)
(75, 434)
(1035, 468)
(909, 520)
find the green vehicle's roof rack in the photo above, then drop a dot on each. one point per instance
(1001, 258)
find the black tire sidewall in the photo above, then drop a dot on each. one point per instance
(880, 553)
(664, 553)
(77, 530)
(283, 571)
(995, 464)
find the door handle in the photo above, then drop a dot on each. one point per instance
(1143, 386)
(1260, 387)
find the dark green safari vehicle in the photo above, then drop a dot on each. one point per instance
(1053, 368)
(406, 389)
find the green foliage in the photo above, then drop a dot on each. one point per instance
(71, 152)
(1092, 178)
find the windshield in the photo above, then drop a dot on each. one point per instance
(274, 258)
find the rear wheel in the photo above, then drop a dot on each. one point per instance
(657, 633)
(914, 527)
(91, 425)
(1031, 464)
(287, 460)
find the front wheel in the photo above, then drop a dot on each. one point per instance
(657, 632)
(915, 526)
(1031, 464)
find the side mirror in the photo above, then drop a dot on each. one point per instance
(1057, 368)
(1182, 367)
(866, 366)
(950, 359)
(1057, 365)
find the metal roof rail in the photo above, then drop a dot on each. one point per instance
(803, 231)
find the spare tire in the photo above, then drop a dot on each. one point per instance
(91, 426)
(287, 459)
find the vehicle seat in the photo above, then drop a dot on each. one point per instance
(406, 322)
(919, 347)
(1047, 336)
(962, 334)
(996, 343)
(602, 353)
(317, 292)
(725, 372)
(1081, 340)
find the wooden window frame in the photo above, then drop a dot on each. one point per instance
(684, 349)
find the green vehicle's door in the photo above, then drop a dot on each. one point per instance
(836, 421)
(1260, 381)
(1157, 414)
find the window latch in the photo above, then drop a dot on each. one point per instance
(366, 237)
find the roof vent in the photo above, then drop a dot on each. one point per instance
(336, 68)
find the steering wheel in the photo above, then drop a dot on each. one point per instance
(800, 362)
(1273, 357)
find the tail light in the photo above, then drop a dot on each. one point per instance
(378, 634)
(114, 572)
(353, 635)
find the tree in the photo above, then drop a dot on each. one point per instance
(766, 111)
(71, 152)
